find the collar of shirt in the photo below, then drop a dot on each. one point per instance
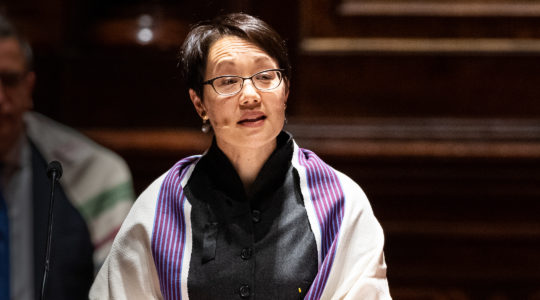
(223, 178)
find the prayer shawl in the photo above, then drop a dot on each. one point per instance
(151, 255)
(96, 180)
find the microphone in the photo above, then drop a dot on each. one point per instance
(54, 172)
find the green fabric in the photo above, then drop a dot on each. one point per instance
(94, 206)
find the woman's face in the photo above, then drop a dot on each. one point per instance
(251, 118)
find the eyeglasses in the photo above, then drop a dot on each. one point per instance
(229, 85)
(11, 79)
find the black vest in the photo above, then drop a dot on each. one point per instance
(254, 244)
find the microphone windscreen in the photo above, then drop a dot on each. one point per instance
(54, 166)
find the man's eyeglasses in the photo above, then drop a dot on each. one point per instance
(229, 85)
(11, 79)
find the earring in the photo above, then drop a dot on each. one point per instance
(205, 128)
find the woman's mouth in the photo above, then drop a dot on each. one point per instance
(252, 121)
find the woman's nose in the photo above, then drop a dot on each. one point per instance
(249, 93)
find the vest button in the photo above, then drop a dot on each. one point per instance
(256, 216)
(245, 291)
(246, 253)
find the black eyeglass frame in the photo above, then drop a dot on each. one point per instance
(211, 81)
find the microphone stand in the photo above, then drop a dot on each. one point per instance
(54, 172)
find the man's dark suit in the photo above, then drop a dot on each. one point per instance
(71, 267)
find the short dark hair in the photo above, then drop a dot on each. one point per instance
(7, 30)
(194, 51)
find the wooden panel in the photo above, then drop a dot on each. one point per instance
(34, 18)
(454, 143)
(463, 86)
(420, 18)
(139, 87)
(490, 8)
(96, 72)
(431, 46)
(418, 59)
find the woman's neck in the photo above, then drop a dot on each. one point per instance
(247, 161)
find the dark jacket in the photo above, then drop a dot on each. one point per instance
(71, 267)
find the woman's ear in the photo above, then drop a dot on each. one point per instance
(287, 86)
(197, 103)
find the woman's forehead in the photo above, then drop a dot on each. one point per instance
(232, 50)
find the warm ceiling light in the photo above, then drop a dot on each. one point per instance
(145, 34)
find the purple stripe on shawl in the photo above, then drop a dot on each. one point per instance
(169, 233)
(328, 200)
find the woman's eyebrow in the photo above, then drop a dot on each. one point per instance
(263, 57)
(222, 65)
(225, 63)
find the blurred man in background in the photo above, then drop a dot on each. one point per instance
(95, 194)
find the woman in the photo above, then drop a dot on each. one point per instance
(255, 216)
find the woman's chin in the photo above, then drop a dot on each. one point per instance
(249, 139)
